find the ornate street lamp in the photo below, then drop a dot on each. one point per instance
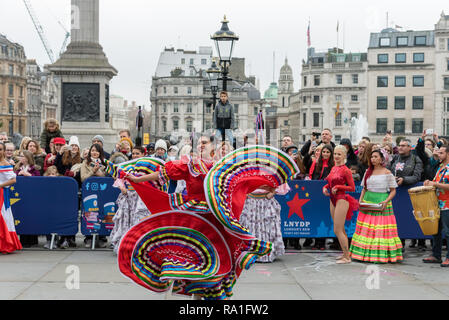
(224, 42)
(213, 73)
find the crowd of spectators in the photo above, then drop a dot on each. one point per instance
(55, 155)
(409, 161)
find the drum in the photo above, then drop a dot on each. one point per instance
(426, 209)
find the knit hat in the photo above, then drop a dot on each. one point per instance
(98, 137)
(161, 144)
(127, 140)
(74, 141)
(60, 141)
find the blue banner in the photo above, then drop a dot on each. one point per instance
(98, 198)
(45, 205)
(305, 212)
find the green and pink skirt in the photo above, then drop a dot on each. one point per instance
(376, 237)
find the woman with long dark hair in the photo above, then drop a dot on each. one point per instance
(376, 237)
(319, 170)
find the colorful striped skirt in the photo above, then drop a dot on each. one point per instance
(376, 236)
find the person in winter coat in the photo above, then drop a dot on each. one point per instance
(224, 118)
(38, 155)
(51, 130)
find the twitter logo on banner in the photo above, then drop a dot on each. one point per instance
(103, 187)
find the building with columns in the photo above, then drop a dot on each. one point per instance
(442, 75)
(333, 91)
(181, 99)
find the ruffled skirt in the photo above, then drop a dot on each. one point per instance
(376, 236)
(262, 218)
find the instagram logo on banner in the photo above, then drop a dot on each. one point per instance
(75, 14)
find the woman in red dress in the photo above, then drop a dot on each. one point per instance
(342, 205)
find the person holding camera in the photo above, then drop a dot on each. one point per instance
(310, 146)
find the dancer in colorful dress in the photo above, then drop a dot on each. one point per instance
(9, 242)
(130, 208)
(195, 243)
(261, 215)
(376, 236)
(342, 205)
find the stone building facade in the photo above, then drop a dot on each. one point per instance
(13, 87)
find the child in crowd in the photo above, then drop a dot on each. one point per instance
(52, 172)
(355, 173)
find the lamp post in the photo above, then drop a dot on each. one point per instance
(213, 74)
(224, 43)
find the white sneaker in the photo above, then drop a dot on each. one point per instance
(47, 245)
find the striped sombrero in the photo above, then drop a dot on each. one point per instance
(240, 173)
(174, 245)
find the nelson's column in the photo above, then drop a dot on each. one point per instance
(85, 73)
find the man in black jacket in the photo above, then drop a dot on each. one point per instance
(224, 119)
(326, 138)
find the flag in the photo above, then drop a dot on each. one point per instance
(338, 110)
(309, 42)
(398, 27)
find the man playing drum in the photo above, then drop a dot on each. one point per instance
(441, 182)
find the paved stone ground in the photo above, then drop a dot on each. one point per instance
(299, 275)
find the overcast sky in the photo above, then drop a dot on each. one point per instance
(134, 32)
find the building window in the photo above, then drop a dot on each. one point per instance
(382, 58)
(418, 103)
(164, 108)
(192, 61)
(208, 108)
(341, 58)
(164, 125)
(285, 122)
(417, 126)
(355, 78)
(304, 99)
(399, 126)
(175, 108)
(384, 42)
(256, 110)
(175, 90)
(356, 58)
(418, 81)
(338, 120)
(165, 90)
(400, 81)
(11, 106)
(401, 58)
(402, 41)
(203, 61)
(175, 124)
(189, 108)
(337, 138)
(354, 98)
(382, 82)
(339, 79)
(446, 83)
(236, 109)
(381, 126)
(420, 40)
(448, 65)
(189, 90)
(338, 98)
(11, 69)
(183, 61)
(418, 57)
(304, 120)
(316, 99)
(399, 103)
(11, 90)
(189, 125)
(316, 119)
(354, 115)
(316, 80)
(382, 103)
(446, 104)
(305, 81)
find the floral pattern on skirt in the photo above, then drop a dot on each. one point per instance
(262, 217)
(130, 211)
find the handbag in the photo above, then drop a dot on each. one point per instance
(376, 207)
